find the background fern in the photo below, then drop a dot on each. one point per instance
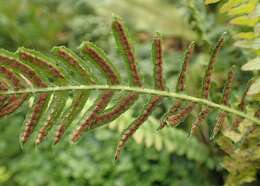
(173, 141)
(243, 14)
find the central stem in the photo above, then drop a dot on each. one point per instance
(138, 90)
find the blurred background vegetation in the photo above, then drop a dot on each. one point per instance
(164, 158)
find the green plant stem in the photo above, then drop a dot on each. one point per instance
(138, 90)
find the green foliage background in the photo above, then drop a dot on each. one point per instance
(152, 158)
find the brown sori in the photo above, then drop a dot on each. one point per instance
(174, 120)
(72, 61)
(128, 50)
(158, 68)
(158, 75)
(174, 108)
(101, 104)
(242, 105)
(121, 106)
(62, 128)
(180, 87)
(109, 72)
(213, 59)
(24, 55)
(11, 77)
(105, 97)
(3, 87)
(201, 117)
(29, 127)
(13, 105)
(14, 102)
(226, 96)
(219, 124)
(207, 83)
(42, 133)
(116, 111)
(136, 124)
(181, 80)
(59, 133)
(127, 101)
(36, 81)
(29, 73)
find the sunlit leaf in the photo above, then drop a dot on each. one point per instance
(229, 5)
(244, 21)
(253, 64)
(246, 35)
(255, 88)
(244, 8)
(158, 142)
(138, 136)
(211, 1)
(250, 44)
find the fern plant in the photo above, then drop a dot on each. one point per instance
(244, 14)
(47, 81)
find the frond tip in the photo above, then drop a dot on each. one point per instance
(59, 86)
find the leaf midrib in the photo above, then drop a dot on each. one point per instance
(137, 90)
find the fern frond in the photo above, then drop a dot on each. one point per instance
(207, 83)
(226, 95)
(47, 65)
(38, 61)
(148, 109)
(242, 104)
(125, 103)
(188, 56)
(201, 117)
(136, 124)
(179, 88)
(98, 57)
(83, 76)
(209, 71)
(59, 86)
(10, 61)
(175, 119)
(13, 102)
(124, 46)
(101, 61)
(3, 87)
(40, 106)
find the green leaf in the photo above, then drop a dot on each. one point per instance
(244, 8)
(138, 136)
(253, 64)
(230, 4)
(246, 35)
(250, 44)
(4, 174)
(255, 88)
(211, 1)
(158, 142)
(245, 21)
(149, 140)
